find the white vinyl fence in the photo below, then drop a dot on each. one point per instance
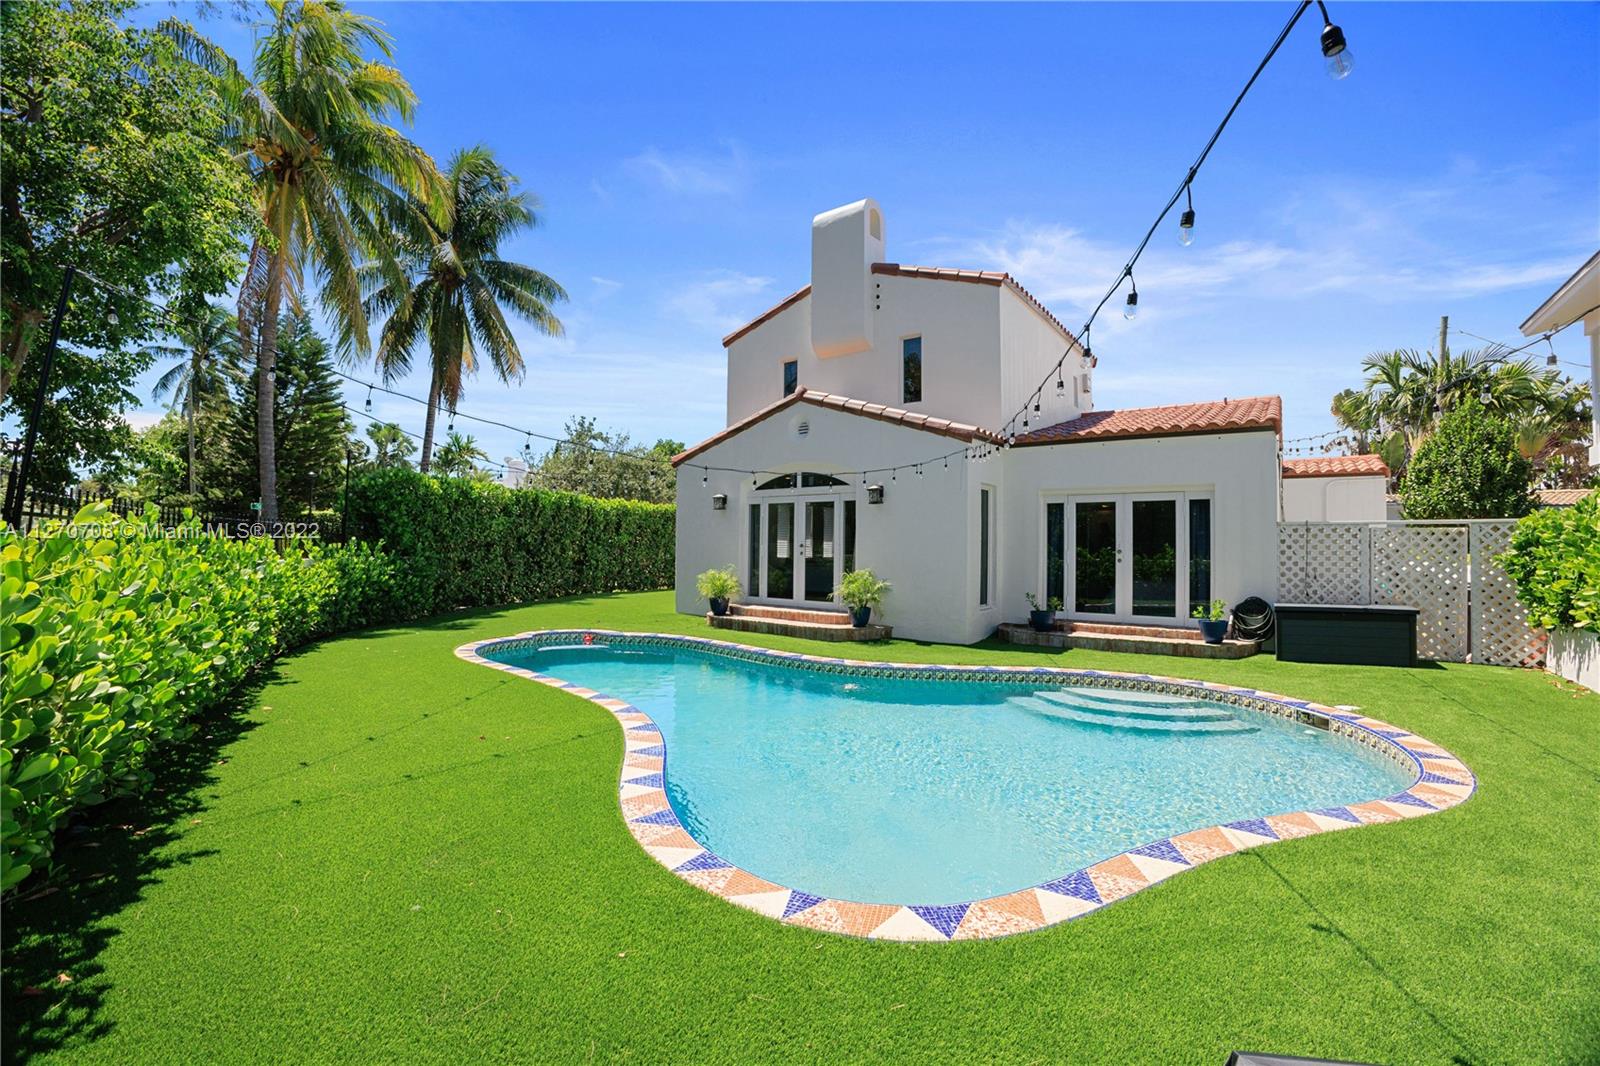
(1468, 606)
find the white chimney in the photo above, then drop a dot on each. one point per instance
(845, 242)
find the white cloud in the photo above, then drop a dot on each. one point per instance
(693, 174)
(722, 301)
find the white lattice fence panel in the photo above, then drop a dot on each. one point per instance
(1425, 567)
(1320, 562)
(1500, 632)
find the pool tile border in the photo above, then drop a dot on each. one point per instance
(1442, 781)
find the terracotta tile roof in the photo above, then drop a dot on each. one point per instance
(943, 426)
(1336, 466)
(1218, 416)
(782, 305)
(1561, 497)
(980, 277)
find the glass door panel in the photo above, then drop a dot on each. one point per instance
(820, 554)
(1095, 557)
(1055, 552)
(780, 551)
(1155, 558)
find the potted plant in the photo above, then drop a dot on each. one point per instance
(1042, 619)
(1213, 619)
(718, 587)
(861, 591)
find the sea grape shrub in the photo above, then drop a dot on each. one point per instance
(115, 633)
(1554, 559)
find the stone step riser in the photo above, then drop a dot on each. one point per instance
(1135, 725)
(1088, 705)
(809, 630)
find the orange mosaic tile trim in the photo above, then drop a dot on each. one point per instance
(1442, 781)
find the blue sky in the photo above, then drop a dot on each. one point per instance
(681, 150)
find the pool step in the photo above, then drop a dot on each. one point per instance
(1080, 699)
(1109, 720)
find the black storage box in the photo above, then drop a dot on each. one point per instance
(1355, 635)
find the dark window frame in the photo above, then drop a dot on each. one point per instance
(911, 370)
(791, 376)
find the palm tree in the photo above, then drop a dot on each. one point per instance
(454, 283)
(312, 126)
(392, 445)
(1405, 391)
(457, 455)
(209, 339)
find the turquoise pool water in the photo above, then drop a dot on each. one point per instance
(886, 790)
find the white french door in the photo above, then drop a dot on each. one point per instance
(1127, 557)
(798, 547)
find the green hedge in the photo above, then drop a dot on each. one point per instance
(1555, 561)
(115, 633)
(460, 543)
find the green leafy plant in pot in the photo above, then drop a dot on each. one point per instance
(1213, 619)
(861, 591)
(1042, 619)
(718, 587)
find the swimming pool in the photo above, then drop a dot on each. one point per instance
(885, 786)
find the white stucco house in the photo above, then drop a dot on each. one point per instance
(1336, 488)
(1578, 297)
(863, 430)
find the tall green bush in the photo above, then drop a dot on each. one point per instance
(1468, 468)
(1555, 561)
(115, 633)
(460, 543)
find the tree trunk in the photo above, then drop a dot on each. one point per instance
(266, 388)
(17, 343)
(427, 429)
(194, 407)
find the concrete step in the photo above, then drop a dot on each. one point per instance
(1091, 702)
(1115, 630)
(1052, 709)
(828, 616)
(1189, 645)
(818, 630)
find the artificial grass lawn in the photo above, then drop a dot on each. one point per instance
(391, 855)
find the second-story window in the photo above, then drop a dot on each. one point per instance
(791, 376)
(911, 370)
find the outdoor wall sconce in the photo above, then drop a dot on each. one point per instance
(874, 493)
(719, 502)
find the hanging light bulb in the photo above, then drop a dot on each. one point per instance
(111, 316)
(1131, 310)
(1186, 220)
(1485, 396)
(1551, 360)
(369, 399)
(705, 479)
(1335, 53)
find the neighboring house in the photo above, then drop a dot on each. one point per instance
(1335, 488)
(515, 475)
(1578, 297)
(1128, 516)
(1560, 497)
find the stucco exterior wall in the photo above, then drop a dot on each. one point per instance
(1334, 499)
(916, 539)
(983, 351)
(924, 537)
(1238, 471)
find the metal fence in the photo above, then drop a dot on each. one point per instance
(43, 505)
(1468, 607)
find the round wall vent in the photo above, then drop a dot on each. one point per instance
(801, 428)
